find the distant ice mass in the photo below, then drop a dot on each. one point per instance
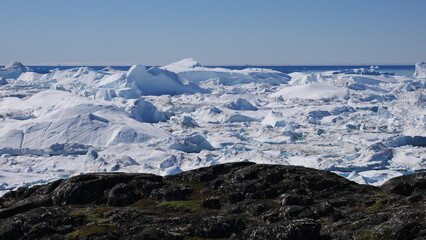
(195, 72)
(364, 71)
(241, 104)
(364, 124)
(312, 91)
(3, 81)
(420, 70)
(13, 70)
(157, 81)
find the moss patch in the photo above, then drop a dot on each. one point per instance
(80, 212)
(376, 206)
(7, 203)
(325, 223)
(90, 213)
(195, 186)
(188, 206)
(102, 210)
(364, 234)
(382, 194)
(200, 238)
(368, 234)
(96, 223)
(85, 232)
(144, 203)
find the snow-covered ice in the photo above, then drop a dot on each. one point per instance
(363, 124)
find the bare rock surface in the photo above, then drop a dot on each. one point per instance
(228, 201)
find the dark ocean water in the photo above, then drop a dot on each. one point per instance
(402, 70)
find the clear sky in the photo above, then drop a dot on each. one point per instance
(215, 32)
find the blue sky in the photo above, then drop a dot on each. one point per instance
(219, 32)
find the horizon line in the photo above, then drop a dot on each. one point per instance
(211, 65)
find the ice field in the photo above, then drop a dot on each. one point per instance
(363, 124)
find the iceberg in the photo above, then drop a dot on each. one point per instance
(144, 111)
(156, 81)
(195, 72)
(420, 70)
(106, 85)
(3, 81)
(363, 71)
(58, 117)
(274, 119)
(240, 104)
(312, 91)
(185, 121)
(298, 78)
(13, 70)
(236, 117)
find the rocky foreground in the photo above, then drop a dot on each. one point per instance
(230, 201)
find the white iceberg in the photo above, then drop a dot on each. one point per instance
(240, 104)
(236, 117)
(144, 111)
(56, 117)
(13, 70)
(312, 91)
(3, 81)
(156, 81)
(420, 70)
(195, 72)
(106, 85)
(274, 119)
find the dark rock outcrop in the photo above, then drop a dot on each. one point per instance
(229, 201)
(406, 185)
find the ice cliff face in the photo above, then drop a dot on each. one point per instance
(420, 70)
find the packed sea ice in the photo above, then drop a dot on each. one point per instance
(362, 124)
